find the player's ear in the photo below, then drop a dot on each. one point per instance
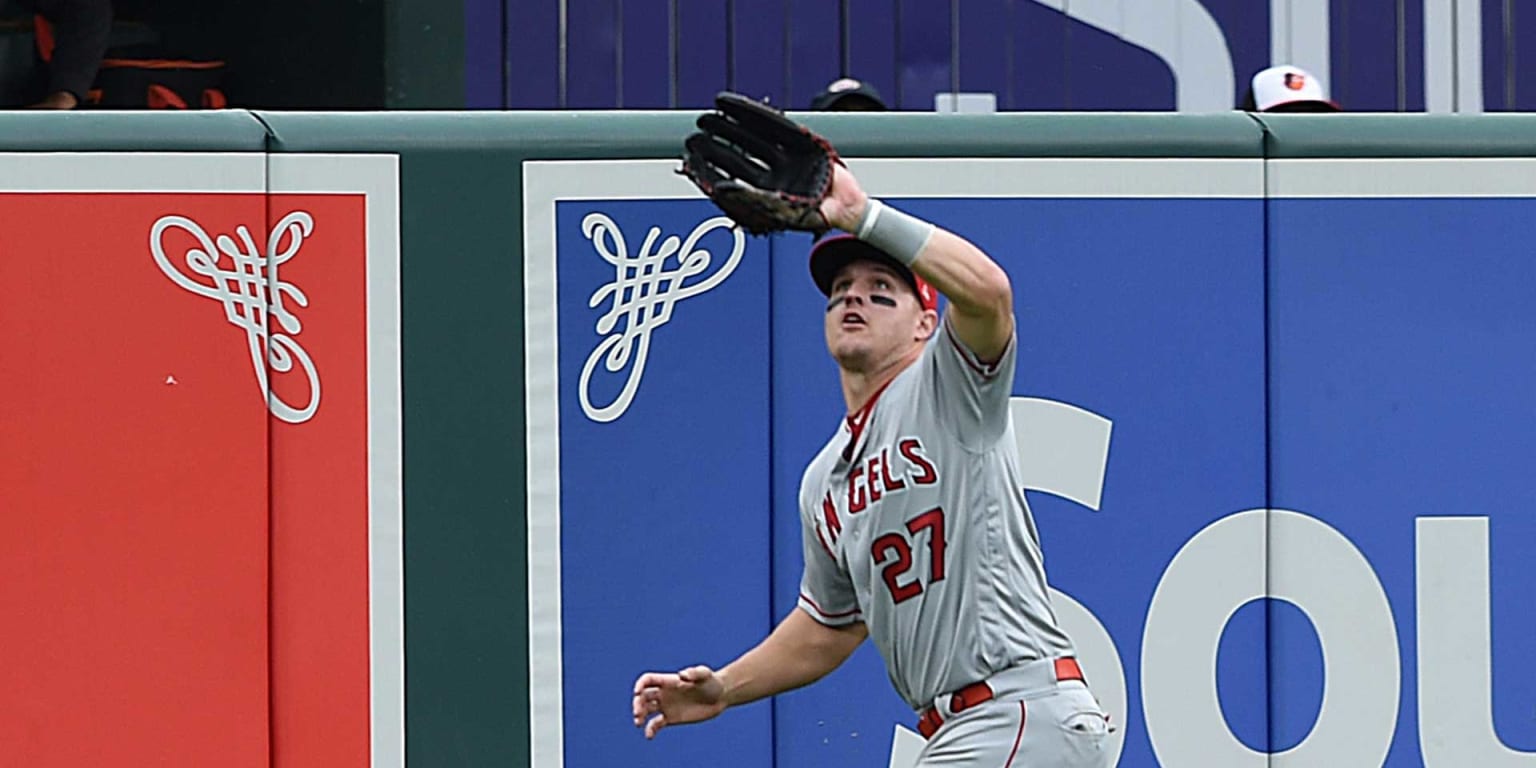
(927, 323)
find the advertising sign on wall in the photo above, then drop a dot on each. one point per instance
(201, 480)
(1268, 422)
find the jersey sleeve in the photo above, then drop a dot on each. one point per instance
(971, 396)
(826, 591)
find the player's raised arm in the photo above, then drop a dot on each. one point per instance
(770, 174)
(980, 295)
(800, 651)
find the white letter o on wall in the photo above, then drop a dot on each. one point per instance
(1309, 564)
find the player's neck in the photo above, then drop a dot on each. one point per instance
(860, 386)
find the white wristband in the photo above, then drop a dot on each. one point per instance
(899, 234)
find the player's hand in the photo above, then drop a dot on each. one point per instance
(690, 696)
(845, 202)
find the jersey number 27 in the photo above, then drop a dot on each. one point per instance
(893, 553)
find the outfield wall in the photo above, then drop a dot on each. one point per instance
(350, 439)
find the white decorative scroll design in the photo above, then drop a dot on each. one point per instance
(252, 294)
(643, 293)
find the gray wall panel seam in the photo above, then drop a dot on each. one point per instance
(954, 50)
(563, 66)
(1402, 55)
(674, 25)
(618, 54)
(1509, 56)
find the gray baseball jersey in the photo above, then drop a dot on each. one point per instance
(914, 522)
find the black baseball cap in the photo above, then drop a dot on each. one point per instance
(850, 95)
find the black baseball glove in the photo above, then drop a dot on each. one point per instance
(765, 171)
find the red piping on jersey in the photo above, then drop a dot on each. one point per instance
(858, 419)
(824, 546)
(1023, 716)
(807, 598)
(987, 371)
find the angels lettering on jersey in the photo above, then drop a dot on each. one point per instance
(872, 480)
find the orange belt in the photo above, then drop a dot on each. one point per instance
(977, 693)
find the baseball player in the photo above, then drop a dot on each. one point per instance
(915, 529)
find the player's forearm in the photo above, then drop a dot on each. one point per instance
(979, 292)
(974, 284)
(799, 652)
